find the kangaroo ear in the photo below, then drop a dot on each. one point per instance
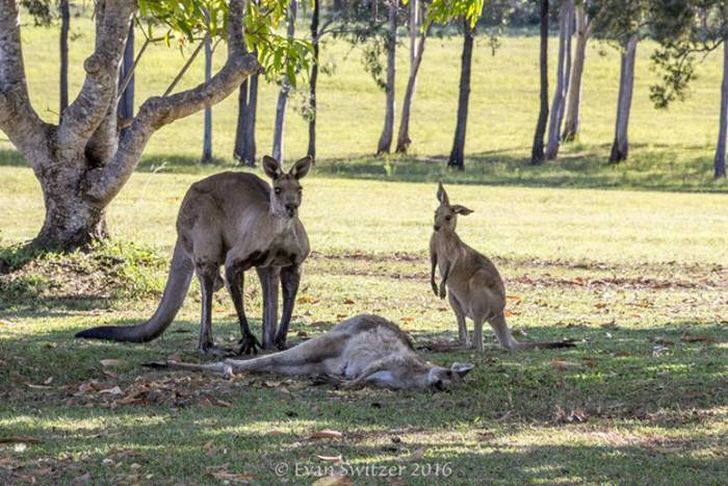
(271, 167)
(462, 369)
(461, 210)
(441, 194)
(301, 168)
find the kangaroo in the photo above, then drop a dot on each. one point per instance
(232, 219)
(365, 349)
(475, 287)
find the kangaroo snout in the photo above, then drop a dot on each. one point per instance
(291, 209)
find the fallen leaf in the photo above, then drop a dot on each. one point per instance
(341, 316)
(51, 345)
(109, 363)
(663, 341)
(48, 380)
(337, 459)
(565, 365)
(327, 434)
(333, 481)
(408, 318)
(349, 302)
(222, 474)
(39, 387)
(112, 391)
(271, 384)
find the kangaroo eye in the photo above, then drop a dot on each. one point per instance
(278, 190)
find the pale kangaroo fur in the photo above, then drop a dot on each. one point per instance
(471, 282)
(365, 349)
(232, 219)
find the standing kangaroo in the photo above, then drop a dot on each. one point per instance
(232, 219)
(365, 349)
(475, 287)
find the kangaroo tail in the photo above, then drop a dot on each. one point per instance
(506, 339)
(178, 282)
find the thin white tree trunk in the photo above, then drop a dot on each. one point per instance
(573, 105)
(720, 151)
(385, 140)
(557, 103)
(284, 91)
(65, 21)
(620, 147)
(207, 134)
(417, 48)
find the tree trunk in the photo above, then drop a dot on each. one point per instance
(65, 23)
(557, 104)
(385, 140)
(573, 105)
(82, 163)
(207, 129)
(457, 155)
(620, 147)
(240, 128)
(314, 79)
(720, 151)
(245, 147)
(125, 109)
(284, 91)
(417, 48)
(537, 151)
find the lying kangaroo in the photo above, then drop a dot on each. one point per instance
(232, 219)
(476, 288)
(365, 349)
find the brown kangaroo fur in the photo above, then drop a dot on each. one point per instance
(475, 287)
(232, 219)
(365, 349)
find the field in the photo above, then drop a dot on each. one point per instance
(638, 277)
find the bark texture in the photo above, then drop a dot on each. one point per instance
(720, 151)
(207, 125)
(573, 104)
(620, 147)
(245, 146)
(417, 49)
(537, 150)
(280, 120)
(457, 154)
(562, 74)
(65, 25)
(385, 140)
(83, 162)
(128, 64)
(314, 78)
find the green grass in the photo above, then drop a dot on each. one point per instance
(631, 275)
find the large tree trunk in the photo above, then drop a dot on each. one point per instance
(620, 147)
(573, 105)
(284, 91)
(457, 155)
(537, 151)
(207, 128)
(245, 133)
(385, 140)
(314, 79)
(65, 23)
(83, 162)
(417, 48)
(557, 104)
(720, 151)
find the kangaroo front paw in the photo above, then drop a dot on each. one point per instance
(248, 344)
(443, 290)
(434, 288)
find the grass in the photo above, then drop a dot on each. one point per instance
(639, 278)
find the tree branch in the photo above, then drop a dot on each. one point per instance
(85, 114)
(18, 119)
(105, 182)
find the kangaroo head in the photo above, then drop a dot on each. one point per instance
(446, 213)
(440, 378)
(285, 198)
